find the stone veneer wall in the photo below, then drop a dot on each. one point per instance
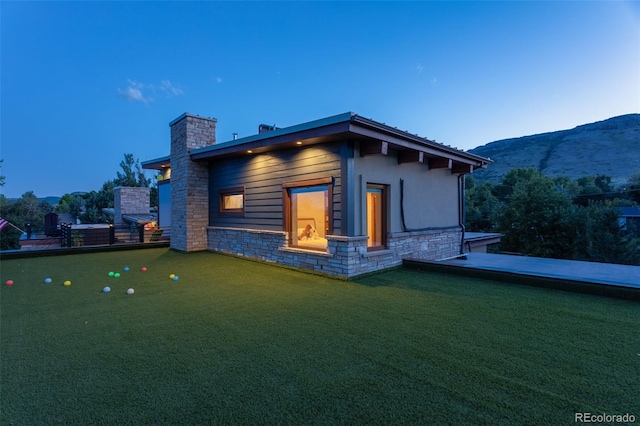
(190, 182)
(130, 200)
(346, 256)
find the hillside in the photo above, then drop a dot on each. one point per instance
(610, 147)
(51, 200)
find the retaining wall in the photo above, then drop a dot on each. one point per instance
(345, 256)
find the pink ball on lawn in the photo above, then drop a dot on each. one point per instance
(144, 269)
(9, 282)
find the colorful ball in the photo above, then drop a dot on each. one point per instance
(47, 280)
(106, 289)
(116, 275)
(9, 282)
(67, 283)
(111, 274)
(130, 291)
(143, 269)
(126, 269)
(175, 278)
(172, 276)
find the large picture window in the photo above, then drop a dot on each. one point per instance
(308, 206)
(376, 217)
(232, 201)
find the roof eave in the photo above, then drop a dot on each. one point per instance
(314, 130)
(399, 138)
(342, 126)
(157, 163)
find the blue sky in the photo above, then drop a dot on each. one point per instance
(82, 83)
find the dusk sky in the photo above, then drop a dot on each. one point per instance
(83, 83)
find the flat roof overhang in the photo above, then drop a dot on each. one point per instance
(314, 132)
(157, 163)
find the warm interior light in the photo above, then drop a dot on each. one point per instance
(298, 143)
(249, 151)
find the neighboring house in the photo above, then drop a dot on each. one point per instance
(344, 195)
(629, 218)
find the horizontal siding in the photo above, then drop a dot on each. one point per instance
(262, 176)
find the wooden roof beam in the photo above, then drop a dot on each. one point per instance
(440, 163)
(462, 168)
(411, 156)
(374, 148)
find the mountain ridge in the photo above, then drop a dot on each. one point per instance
(609, 147)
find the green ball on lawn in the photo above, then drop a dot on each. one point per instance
(116, 275)
(111, 274)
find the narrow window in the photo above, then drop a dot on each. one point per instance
(308, 213)
(232, 201)
(376, 217)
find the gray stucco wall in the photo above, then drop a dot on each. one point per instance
(430, 196)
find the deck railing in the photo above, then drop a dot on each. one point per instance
(87, 235)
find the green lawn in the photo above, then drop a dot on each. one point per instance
(235, 341)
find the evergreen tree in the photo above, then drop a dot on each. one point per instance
(536, 218)
(633, 187)
(600, 238)
(27, 209)
(132, 173)
(480, 204)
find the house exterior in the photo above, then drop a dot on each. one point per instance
(343, 195)
(629, 219)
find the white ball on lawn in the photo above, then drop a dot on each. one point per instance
(106, 289)
(130, 291)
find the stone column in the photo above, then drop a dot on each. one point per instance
(190, 182)
(131, 201)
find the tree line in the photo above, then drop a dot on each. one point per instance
(85, 207)
(556, 217)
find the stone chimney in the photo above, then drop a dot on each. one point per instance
(190, 182)
(129, 201)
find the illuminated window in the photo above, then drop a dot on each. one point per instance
(308, 213)
(232, 201)
(376, 217)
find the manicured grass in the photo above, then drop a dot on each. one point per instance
(235, 341)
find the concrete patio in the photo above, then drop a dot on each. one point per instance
(590, 277)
